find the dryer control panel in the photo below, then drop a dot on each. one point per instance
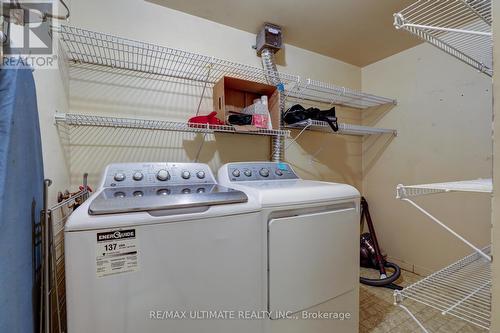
(253, 171)
(156, 174)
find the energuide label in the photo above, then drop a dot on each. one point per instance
(116, 252)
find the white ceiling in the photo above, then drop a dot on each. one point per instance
(358, 32)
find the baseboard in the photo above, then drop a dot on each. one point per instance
(409, 267)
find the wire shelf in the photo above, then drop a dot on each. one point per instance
(95, 49)
(90, 47)
(478, 185)
(461, 28)
(73, 119)
(317, 91)
(462, 289)
(347, 129)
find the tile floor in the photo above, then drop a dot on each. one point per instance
(378, 314)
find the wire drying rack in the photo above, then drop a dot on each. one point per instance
(73, 119)
(53, 267)
(461, 28)
(462, 289)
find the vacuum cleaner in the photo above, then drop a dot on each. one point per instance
(371, 256)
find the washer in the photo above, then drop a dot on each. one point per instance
(157, 247)
(312, 246)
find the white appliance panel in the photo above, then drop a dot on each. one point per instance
(311, 258)
(210, 264)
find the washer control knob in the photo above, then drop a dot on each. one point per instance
(137, 176)
(163, 191)
(264, 172)
(186, 174)
(200, 174)
(163, 175)
(119, 176)
(236, 172)
(278, 172)
(248, 173)
(119, 194)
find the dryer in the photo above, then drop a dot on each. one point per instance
(312, 247)
(161, 247)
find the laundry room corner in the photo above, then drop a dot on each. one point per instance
(443, 118)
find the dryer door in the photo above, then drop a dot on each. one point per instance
(312, 259)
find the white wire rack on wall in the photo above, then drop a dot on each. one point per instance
(478, 185)
(317, 91)
(73, 119)
(347, 129)
(90, 47)
(461, 28)
(85, 47)
(464, 288)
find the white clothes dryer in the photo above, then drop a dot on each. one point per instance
(312, 247)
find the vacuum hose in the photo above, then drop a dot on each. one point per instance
(272, 76)
(384, 281)
(371, 249)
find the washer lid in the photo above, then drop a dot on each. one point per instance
(138, 199)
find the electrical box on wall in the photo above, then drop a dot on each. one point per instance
(269, 37)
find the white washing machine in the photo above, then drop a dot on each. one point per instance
(160, 247)
(312, 247)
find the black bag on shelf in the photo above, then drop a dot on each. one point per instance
(298, 113)
(240, 119)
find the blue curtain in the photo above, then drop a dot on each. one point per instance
(21, 196)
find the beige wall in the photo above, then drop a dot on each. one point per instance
(51, 96)
(443, 118)
(335, 158)
(495, 217)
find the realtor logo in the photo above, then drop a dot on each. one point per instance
(26, 35)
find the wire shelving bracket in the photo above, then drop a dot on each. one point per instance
(462, 289)
(480, 185)
(461, 28)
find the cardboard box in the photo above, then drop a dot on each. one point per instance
(232, 95)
